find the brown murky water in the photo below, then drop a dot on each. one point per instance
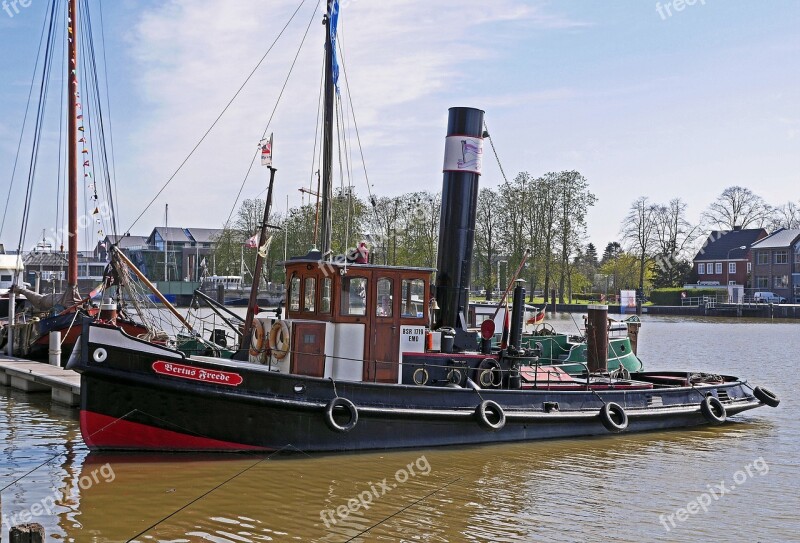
(734, 483)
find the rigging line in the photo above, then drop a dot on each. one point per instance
(491, 142)
(317, 126)
(24, 121)
(228, 105)
(60, 181)
(274, 109)
(108, 103)
(410, 505)
(44, 87)
(215, 488)
(372, 200)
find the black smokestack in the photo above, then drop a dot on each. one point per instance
(463, 157)
(517, 315)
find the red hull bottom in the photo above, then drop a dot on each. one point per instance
(104, 432)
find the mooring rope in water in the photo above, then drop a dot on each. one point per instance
(410, 505)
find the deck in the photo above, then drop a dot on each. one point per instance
(64, 385)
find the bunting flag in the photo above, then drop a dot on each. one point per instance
(86, 165)
(82, 140)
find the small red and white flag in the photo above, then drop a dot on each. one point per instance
(252, 242)
(266, 152)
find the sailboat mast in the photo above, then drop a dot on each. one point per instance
(72, 145)
(327, 141)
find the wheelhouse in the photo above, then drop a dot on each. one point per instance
(351, 321)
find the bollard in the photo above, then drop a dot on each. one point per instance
(26, 533)
(55, 349)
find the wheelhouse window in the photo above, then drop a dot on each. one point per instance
(412, 298)
(701, 269)
(354, 296)
(310, 295)
(294, 294)
(325, 300)
(383, 307)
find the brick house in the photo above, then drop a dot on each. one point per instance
(722, 261)
(776, 264)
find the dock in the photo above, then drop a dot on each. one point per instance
(64, 385)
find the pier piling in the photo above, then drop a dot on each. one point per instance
(27, 533)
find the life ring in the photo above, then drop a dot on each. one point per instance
(489, 373)
(487, 408)
(766, 396)
(713, 410)
(257, 340)
(279, 340)
(352, 411)
(420, 376)
(614, 417)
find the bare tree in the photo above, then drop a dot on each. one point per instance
(486, 233)
(637, 233)
(738, 206)
(785, 216)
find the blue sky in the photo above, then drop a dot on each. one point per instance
(664, 106)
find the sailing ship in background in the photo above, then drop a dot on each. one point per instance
(64, 312)
(376, 357)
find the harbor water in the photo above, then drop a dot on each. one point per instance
(735, 482)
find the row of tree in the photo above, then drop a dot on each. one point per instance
(534, 224)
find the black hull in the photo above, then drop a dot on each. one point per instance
(126, 405)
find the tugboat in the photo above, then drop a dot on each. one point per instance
(379, 357)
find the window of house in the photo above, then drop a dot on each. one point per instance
(749, 267)
(412, 298)
(762, 282)
(5, 278)
(762, 257)
(731, 267)
(294, 294)
(701, 269)
(310, 294)
(354, 296)
(781, 281)
(718, 268)
(325, 301)
(781, 257)
(383, 307)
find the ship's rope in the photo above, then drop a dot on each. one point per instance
(497, 158)
(275, 107)
(219, 117)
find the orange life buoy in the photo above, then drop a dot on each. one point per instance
(257, 340)
(279, 340)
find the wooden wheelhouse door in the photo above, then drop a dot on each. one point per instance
(382, 364)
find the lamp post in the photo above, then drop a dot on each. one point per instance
(728, 269)
(728, 264)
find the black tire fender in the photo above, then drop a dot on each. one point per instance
(766, 396)
(487, 408)
(713, 410)
(352, 410)
(614, 417)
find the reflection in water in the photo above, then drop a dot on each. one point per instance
(592, 489)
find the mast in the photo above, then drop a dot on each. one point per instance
(244, 345)
(72, 146)
(327, 133)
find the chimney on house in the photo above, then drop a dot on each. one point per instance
(737, 227)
